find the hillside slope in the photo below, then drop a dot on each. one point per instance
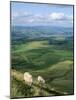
(59, 81)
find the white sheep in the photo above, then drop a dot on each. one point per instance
(28, 78)
(40, 79)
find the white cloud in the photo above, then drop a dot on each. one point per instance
(70, 17)
(25, 13)
(60, 17)
(39, 16)
(26, 17)
(19, 14)
(56, 16)
(31, 20)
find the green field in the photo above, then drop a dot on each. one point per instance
(51, 60)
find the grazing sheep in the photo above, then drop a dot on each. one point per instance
(41, 80)
(28, 78)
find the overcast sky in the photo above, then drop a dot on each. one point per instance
(32, 14)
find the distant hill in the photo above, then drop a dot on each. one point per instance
(36, 32)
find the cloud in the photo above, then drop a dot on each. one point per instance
(57, 16)
(19, 14)
(60, 17)
(27, 18)
(31, 20)
(14, 15)
(70, 17)
(39, 16)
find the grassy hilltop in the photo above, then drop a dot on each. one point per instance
(50, 58)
